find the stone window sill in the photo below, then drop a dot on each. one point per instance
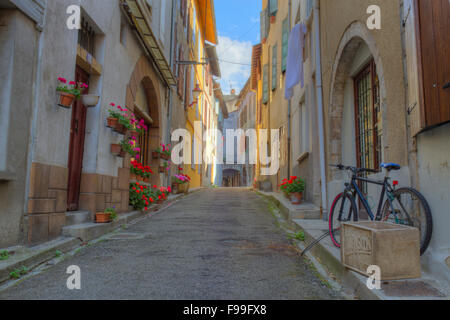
(7, 176)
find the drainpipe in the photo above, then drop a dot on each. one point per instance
(318, 61)
(170, 111)
(289, 107)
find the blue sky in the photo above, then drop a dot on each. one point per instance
(238, 29)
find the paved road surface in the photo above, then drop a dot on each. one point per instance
(213, 244)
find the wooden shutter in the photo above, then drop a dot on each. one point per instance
(274, 66)
(180, 74)
(284, 50)
(263, 22)
(188, 81)
(434, 25)
(266, 83)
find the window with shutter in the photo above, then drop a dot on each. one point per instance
(284, 49)
(273, 4)
(264, 24)
(266, 84)
(434, 23)
(274, 67)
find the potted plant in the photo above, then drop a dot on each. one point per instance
(69, 92)
(114, 115)
(294, 188)
(108, 215)
(141, 197)
(128, 146)
(156, 154)
(272, 19)
(180, 183)
(165, 152)
(116, 149)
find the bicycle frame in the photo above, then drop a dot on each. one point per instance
(355, 188)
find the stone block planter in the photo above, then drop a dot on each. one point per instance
(394, 248)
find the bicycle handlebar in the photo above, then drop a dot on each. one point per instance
(353, 169)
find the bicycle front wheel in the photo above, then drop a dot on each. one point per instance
(342, 210)
(410, 208)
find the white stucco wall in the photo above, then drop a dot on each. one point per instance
(434, 178)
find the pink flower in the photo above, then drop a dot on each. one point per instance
(62, 80)
(112, 104)
(72, 83)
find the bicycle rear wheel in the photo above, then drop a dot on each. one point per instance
(410, 208)
(342, 210)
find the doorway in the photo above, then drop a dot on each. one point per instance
(76, 146)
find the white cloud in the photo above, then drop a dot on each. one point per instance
(238, 72)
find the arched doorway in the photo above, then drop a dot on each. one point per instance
(357, 102)
(143, 99)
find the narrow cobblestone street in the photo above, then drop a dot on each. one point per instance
(213, 244)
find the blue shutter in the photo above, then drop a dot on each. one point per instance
(265, 97)
(274, 67)
(284, 50)
(273, 5)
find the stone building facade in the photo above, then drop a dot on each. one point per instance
(55, 161)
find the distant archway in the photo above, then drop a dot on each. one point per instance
(231, 178)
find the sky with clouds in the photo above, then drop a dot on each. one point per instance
(238, 29)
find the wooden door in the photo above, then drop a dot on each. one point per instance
(76, 147)
(434, 25)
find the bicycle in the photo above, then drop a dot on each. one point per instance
(405, 206)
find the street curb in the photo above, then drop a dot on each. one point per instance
(350, 279)
(36, 256)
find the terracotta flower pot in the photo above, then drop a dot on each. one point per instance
(116, 149)
(134, 133)
(296, 197)
(165, 156)
(273, 19)
(155, 155)
(111, 122)
(101, 217)
(66, 99)
(122, 153)
(120, 128)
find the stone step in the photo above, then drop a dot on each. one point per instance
(90, 230)
(77, 217)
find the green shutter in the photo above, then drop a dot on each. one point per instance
(274, 67)
(266, 84)
(273, 7)
(263, 24)
(284, 50)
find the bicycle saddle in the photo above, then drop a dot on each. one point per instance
(391, 166)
